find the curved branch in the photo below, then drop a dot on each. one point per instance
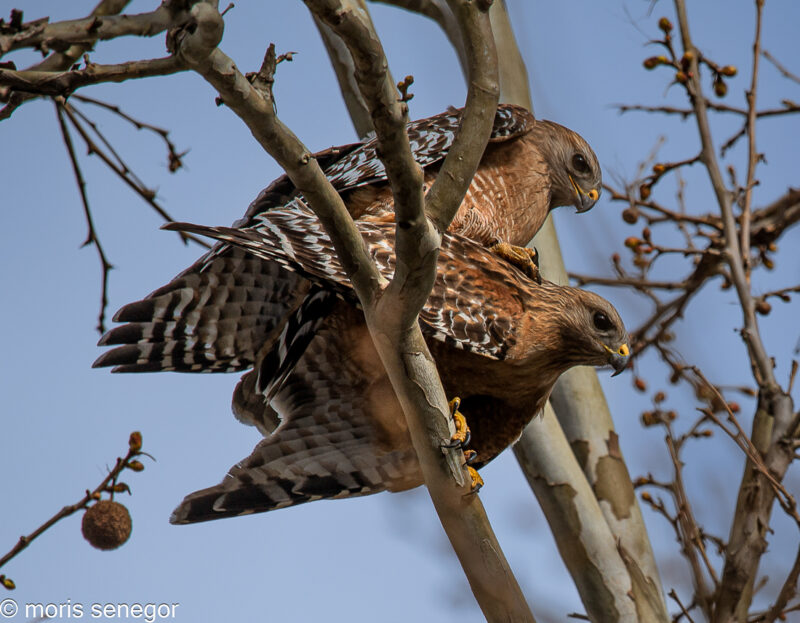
(254, 106)
(402, 349)
(58, 36)
(58, 61)
(483, 92)
(439, 12)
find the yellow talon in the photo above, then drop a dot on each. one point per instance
(461, 439)
(462, 435)
(527, 260)
(477, 481)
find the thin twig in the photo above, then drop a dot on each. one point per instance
(787, 592)
(689, 532)
(144, 193)
(781, 68)
(752, 155)
(174, 155)
(674, 596)
(91, 236)
(107, 485)
(785, 499)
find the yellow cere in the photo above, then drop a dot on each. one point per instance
(593, 194)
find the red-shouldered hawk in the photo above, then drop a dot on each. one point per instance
(218, 314)
(333, 424)
(233, 310)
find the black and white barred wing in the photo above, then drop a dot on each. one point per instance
(475, 297)
(328, 444)
(351, 166)
(430, 141)
(213, 317)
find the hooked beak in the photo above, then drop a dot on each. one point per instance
(619, 358)
(584, 201)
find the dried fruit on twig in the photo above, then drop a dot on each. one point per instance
(654, 61)
(650, 418)
(135, 441)
(632, 242)
(106, 525)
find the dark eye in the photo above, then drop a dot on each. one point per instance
(601, 321)
(579, 164)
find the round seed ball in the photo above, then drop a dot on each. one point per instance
(106, 525)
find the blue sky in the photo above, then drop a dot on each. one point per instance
(378, 558)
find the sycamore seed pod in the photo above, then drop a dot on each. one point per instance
(106, 525)
(630, 215)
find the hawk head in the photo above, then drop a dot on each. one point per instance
(592, 331)
(577, 327)
(574, 169)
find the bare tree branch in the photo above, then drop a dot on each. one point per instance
(121, 169)
(439, 12)
(584, 540)
(775, 414)
(59, 36)
(781, 68)
(59, 61)
(401, 347)
(64, 83)
(583, 413)
(342, 62)
(91, 236)
(787, 592)
(752, 156)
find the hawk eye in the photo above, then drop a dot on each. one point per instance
(579, 164)
(601, 321)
